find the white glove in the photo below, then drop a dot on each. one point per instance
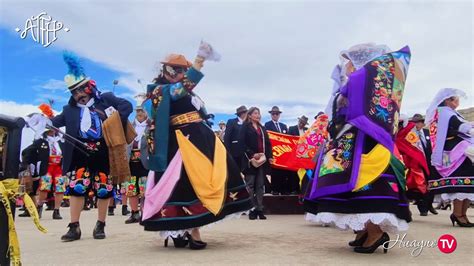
(471, 132)
(38, 123)
(207, 52)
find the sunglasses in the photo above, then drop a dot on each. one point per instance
(275, 113)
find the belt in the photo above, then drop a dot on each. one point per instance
(187, 118)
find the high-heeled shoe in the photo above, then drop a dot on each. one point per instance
(445, 207)
(360, 241)
(179, 242)
(455, 219)
(382, 241)
(195, 244)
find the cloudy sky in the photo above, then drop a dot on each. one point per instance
(273, 52)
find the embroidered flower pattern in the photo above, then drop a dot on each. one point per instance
(387, 93)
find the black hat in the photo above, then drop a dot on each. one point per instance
(417, 118)
(241, 109)
(275, 109)
(304, 119)
(320, 113)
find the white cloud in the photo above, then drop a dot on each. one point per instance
(53, 85)
(19, 110)
(274, 53)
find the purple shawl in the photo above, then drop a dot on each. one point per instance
(439, 126)
(375, 95)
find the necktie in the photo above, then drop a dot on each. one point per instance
(278, 126)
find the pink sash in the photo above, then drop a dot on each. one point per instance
(157, 195)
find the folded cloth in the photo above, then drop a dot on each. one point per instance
(114, 136)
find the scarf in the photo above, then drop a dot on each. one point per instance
(54, 145)
(86, 121)
(140, 129)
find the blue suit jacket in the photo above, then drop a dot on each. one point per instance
(71, 114)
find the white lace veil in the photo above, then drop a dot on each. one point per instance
(361, 54)
(442, 95)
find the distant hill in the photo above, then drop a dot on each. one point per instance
(468, 113)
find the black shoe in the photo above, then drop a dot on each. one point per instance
(65, 203)
(423, 213)
(455, 219)
(49, 206)
(432, 210)
(445, 207)
(134, 218)
(111, 211)
(56, 215)
(125, 210)
(382, 241)
(26, 213)
(179, 242)
(253, 215)
(74, 233)
(261, 216)
(99, 232)
(360, 241)
(195, 244)
(40, 211)
(274, 193)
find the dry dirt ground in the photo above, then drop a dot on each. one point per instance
(280, 240)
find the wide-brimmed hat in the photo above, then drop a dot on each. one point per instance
(417, 118)
(241, 109)
(320, 113)
(176, 60)
(275, 109)
(304, 119)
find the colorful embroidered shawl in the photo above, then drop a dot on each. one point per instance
(375, 95)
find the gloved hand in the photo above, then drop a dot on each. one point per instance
(207, 52)
(39, 123)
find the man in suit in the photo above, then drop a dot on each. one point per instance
(279, 183)
(425, 203)
(274, 124)
(231, 135)
(298, 130)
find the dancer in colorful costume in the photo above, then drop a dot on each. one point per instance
(194, 181)
(359, 182)
(86, 156)
(452, 138)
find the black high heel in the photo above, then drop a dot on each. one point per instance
(455, 219)
(360, 241)
(195, 244)
(179, 242)
(445, 207)
(382, 241)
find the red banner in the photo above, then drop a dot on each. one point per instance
(284, 152)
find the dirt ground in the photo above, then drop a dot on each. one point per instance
(280, 240)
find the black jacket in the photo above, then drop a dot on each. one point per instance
(293, 130)
(38, 151)
(248, 138)
(270, 125)
(70, 117)
(231, 137)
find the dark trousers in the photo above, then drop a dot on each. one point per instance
(284, 181)
(255, 185)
